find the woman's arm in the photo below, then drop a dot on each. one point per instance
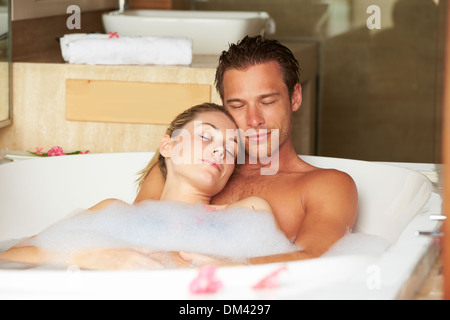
(27, 254)
(24, 253)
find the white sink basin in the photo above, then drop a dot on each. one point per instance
(210, 31)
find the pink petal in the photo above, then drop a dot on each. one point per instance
(56, 151)
(205, 282)
(209, 208)
(207, 271)
(270, 281)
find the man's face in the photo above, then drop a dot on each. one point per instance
(258, 99)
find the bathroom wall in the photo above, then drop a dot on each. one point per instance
(380, 98)
(379, 88)
(40, 117)
(159, 4)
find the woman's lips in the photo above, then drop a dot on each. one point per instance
(214, 164)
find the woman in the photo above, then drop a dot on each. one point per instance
(197, 156)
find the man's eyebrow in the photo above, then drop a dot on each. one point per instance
(234, 100)
(268, 95)
(263, 96)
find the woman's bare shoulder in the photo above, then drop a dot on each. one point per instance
(106, 203)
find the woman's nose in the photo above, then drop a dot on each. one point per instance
(218, 152)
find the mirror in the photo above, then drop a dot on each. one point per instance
(4, 64)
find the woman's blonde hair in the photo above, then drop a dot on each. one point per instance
(178, 123)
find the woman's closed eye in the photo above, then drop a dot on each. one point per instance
(206, 137)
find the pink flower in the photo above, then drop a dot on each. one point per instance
(55, 151)
(38, 151)
(206, 282)
(87, 151)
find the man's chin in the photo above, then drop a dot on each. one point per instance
(264, 157)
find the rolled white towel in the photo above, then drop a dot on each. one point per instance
(109, 50)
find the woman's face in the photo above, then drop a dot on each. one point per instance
(204, 151)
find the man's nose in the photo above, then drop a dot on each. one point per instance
(254, 117)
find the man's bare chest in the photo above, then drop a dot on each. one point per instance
(283, 194)
(239, 187)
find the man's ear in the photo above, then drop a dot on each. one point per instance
(165, 146)
(297, 97)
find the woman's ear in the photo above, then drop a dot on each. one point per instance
(165, 147)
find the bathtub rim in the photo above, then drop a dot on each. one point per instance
(90, 284)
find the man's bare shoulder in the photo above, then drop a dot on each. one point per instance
(329, 199)
(321, 175)
(309, 174)
(332, 191)
(328, 180)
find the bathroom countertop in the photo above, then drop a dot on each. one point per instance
(307, 52)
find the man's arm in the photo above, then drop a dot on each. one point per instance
(331, 206)
(152, 187)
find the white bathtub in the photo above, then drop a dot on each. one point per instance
(210, 31)
(394, 203)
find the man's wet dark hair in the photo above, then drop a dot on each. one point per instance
(256, 50)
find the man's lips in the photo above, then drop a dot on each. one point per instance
(259, 137)
(214, 164)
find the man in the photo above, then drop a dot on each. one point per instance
(258, 82)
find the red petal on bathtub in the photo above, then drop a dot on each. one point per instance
(270, 281)
(206, 282)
